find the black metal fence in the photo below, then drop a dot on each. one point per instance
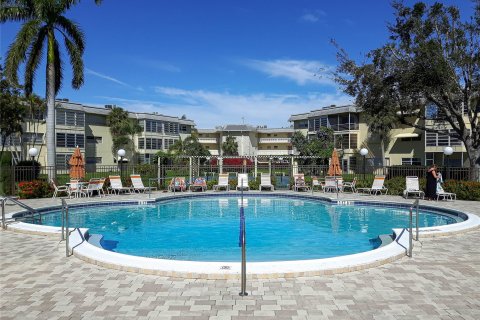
(160, 175)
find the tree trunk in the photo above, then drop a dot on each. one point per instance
(50, 97)
(382, 146)
(474, 159)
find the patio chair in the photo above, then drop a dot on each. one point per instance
(265, 182)
(222, 182)
(316, 184)
(91, 187)
(177, 184)
(332, 184)
(58, 189)
(299, 180)
(441, 193)
(116, 185)
(412, 186)
(377, 186)
(75, 189)
(242, 182)
(137, 184)
(199, 184)
(350, 185)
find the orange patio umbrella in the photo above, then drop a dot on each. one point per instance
(334, 169)
(77, 165)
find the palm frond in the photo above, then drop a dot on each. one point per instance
(77, 63)
(18, 49)
(35, 55)
(15, 10)
(58, 65)
(72, 30)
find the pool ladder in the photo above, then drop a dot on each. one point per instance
(32, 213)
(410, 235)
(65, 227)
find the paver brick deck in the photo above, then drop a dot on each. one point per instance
(441, 281)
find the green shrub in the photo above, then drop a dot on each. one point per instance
(465, 190)
(34, 189)
(254, 184)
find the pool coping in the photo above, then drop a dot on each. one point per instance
(255, 270)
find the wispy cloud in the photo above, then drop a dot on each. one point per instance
(106, 77)
(158, 65)
(300, 71)
(313, 16)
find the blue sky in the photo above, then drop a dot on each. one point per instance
(219, 61)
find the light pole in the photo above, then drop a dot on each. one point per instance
(121, 154)
(364, 152)
(447, 151)
(33, 152)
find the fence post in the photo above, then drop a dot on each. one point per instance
(255, 170)
(190, 169)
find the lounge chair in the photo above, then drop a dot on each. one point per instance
(116, 185)
(332, 184)
(441, 193)
(299, 180)
(350, 185)
(199, 184)
(92, 186)
(58, 189)
(412, 186)
(377, 186)
(75, 189)
(265, 182)
(222, 182)
(316, 184)
(137, 184)
(242, 182)
(177, 184)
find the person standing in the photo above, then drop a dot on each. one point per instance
(432, 177)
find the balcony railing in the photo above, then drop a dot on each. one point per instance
(274, 140)
(207, 140)
(274, 152)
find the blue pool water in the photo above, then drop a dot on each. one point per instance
(207, 229)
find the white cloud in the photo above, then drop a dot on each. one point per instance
(104, 76)
(314, 16)
(158, 65)
(300, 71)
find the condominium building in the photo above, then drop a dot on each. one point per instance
(252, 141)
(86, 127)
(403, 146)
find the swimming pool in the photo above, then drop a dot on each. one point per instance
(278, 228)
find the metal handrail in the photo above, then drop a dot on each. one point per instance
(410, 235)
(31, 210)
(243, 244)
(65, 227)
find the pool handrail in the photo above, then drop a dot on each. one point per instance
(32, 211)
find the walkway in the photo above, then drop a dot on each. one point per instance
(441, 281)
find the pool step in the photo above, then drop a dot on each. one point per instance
(385, 239)
(95, 239)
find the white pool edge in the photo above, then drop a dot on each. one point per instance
(225, 270)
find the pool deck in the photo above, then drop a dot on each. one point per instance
(441, 281)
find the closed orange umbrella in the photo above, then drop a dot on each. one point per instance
(334, 169)
(77, 165)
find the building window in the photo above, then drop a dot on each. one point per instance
(352, 162)
(70, 140)
(429, 158)
(150, 144)
(353, 141)
(169, 143)
(70, 118)
(93, 160)
(92, 139)
(62, 160)
(183, 128)
(411, 162)
(302, 124)
(141, 143)
(434, 139)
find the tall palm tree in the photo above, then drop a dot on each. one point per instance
(43, 22)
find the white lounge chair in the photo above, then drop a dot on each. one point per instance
(222, 182)
(265, 182)
(377, 186)
(75, 189)
(92, 186)
(350, 185)
(299, 182)
(242, 182)
(138, 184)
(333, 184)
(58, 189)
(412, 186)
(116, 185)
(316, 184)
(441, 193)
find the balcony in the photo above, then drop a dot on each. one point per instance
(207, 140)
(274, 140)
(274, 152)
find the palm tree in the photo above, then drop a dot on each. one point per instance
(230, 146)
(44, 20)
